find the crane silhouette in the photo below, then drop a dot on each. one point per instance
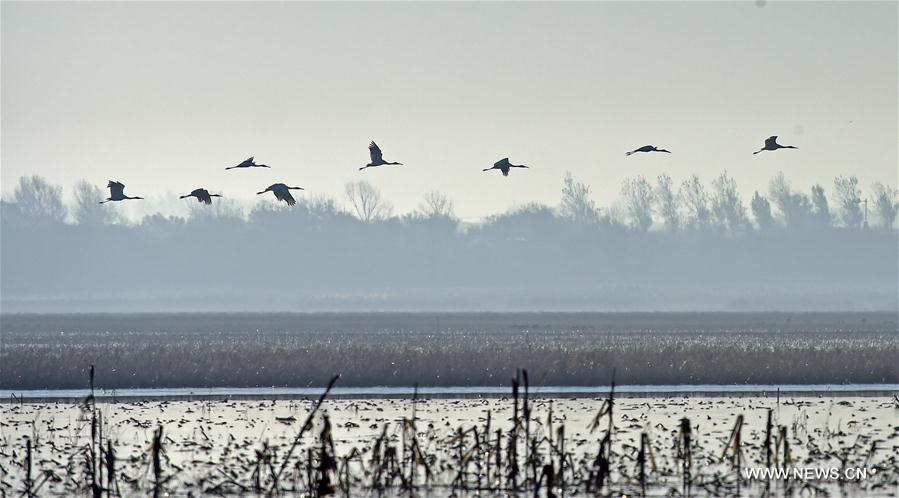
(647, 148)
(504, 165)
(117, 192)
(249, 163)
(282, 192)
(771, 144)
(202, 195)
(377, 159)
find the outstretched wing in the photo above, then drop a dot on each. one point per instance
(771, 142)
(115, 188)
(289, 198)
(502, 163)
(375, 152)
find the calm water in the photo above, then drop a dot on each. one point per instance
(453, 392)
(103, 324)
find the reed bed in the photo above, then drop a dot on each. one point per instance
(515, 446)
(251, 350)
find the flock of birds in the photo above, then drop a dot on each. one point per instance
(282, 191)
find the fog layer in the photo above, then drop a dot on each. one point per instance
(658, 247)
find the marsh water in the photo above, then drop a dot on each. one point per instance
(231, 390)
(457, 392)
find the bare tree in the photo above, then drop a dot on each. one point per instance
(436, 205)
(37, 200)
(820, 208)
(87, 210)
(886, 203)
(637, 197)
(220, 210)
(849, 198)
(695, 202)
(666, 203)
(576, 204)
(727, 206)
(794, 208)
(367, 202)
(322, 205)
(761, 211)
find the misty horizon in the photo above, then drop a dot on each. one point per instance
(687, 247)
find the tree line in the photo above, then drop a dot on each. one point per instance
(643, 205)
(660, 246)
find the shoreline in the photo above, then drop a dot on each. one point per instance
(9, 396)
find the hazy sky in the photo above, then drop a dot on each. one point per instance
(164, 96)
